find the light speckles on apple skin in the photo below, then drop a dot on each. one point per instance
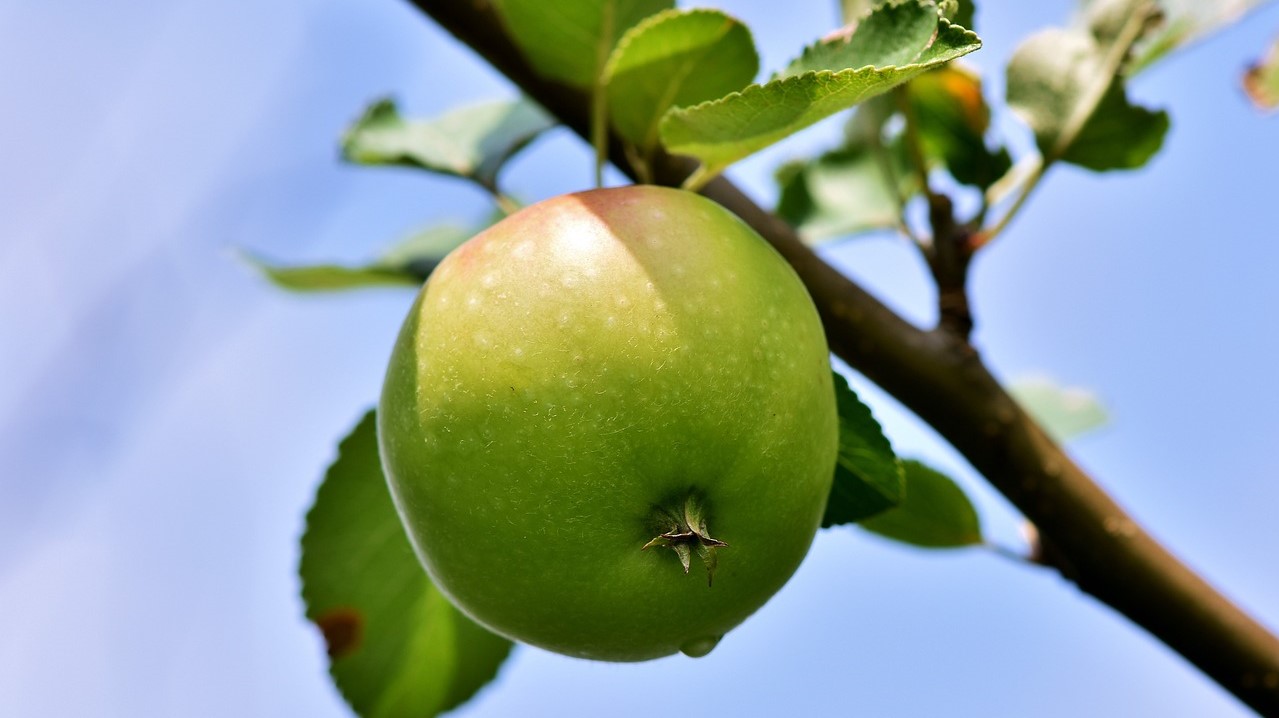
(568, 376)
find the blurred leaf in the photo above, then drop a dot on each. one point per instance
(471, 142)
(852, 10)
(673, 59)
(963, 14)
(406, 264)
(898, 33)
(952, 117)
(841, 192)
(1052, 78)
(1184, 22)
(397, 648)
(936, 512)
(1119, 135)
(1064, 412)
(1105, 19)
(1261, 81)
(892, 34)
(959, 12)
(570, 40)
(331, 277)
(868, 477)
(429, 246)
(894, 43)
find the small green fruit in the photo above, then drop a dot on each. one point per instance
(596, 395)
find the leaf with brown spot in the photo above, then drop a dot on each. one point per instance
(397, 647)
(343, 629)
(1261, 80)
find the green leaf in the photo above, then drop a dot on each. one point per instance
(896, 42)
(675, 58)
(570, 40)
(868, 476)
(1119, 135)
(935, 514)
(1261, 80)
(1064, 412)
(841, 192)
(952, 117)
(963, 13)
(406, 264)
(1052, 78)
(470, 142)
(959, 12)
(854, 10)
(397, 647)
(330, 277)
(1184, 21)
(891, 35)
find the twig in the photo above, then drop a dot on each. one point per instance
(949, 254)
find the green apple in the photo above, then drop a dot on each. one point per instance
(609, 425)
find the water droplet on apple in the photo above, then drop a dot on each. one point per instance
(698, 647)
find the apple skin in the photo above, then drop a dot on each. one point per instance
(577, 371)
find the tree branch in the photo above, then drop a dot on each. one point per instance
(1085, 534)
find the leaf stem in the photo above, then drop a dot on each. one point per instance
(643, 173)
(698, 178)
(1011, 554)
(599, 134)
(914, 144)
(1111, 67)
(599, 97)
(506, 204)
(875, 140)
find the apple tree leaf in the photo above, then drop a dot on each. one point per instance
(842, 192)
(895, 42)
(936, 512)
(406, 264)
(570, 40)
(1183, 22)
(959, 12)
(893, 34)
(673, 59)
(472, 142)
(397, 647)
(1061, 82)
(1261, 80)
(952, 118)
(868, 476)
(1064, 412)
(330, 277)
(854, 10)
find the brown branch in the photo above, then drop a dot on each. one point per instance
(1085, 534)
(948, 254)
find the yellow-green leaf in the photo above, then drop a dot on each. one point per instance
(397, 648)
(674, 59)
(570, 40)
(886, 49)
(472, 142)
(936, 512)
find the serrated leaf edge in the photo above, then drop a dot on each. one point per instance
(758, 86)
(659, 18)
(944, 25)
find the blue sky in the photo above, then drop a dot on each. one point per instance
(164, 415)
